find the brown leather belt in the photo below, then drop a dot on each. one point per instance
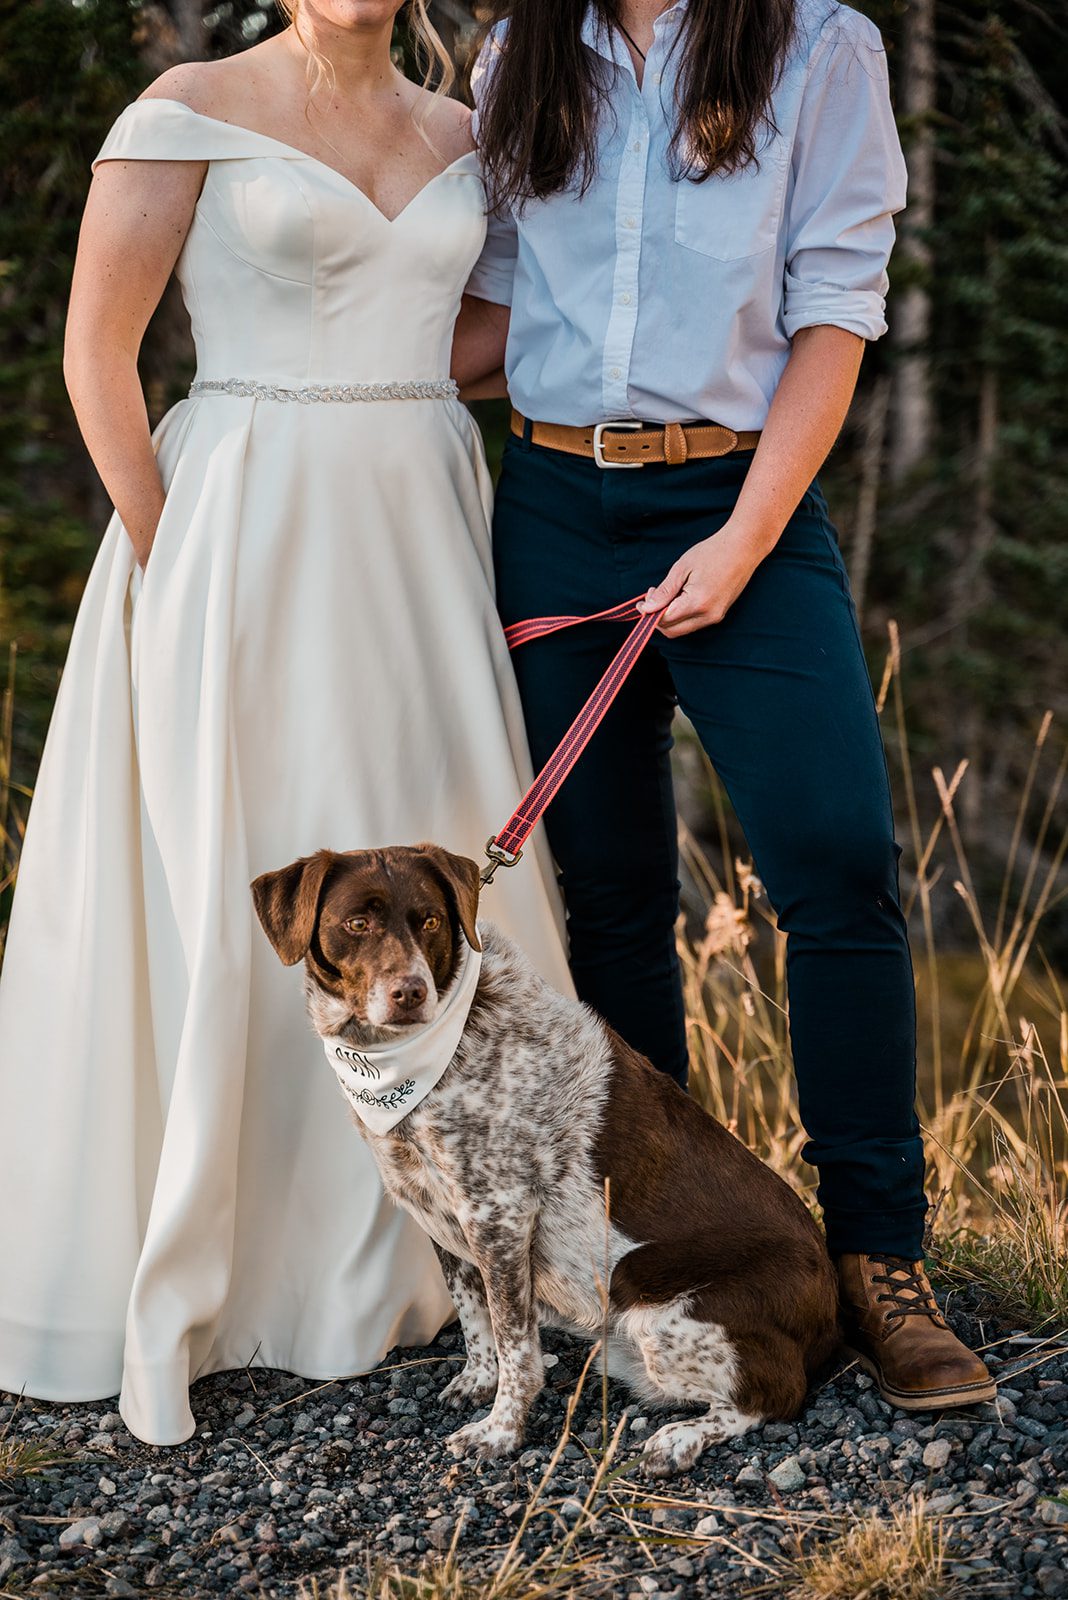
(636, 444)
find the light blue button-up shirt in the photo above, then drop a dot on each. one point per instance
(671, 300)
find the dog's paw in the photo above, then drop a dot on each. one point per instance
(474, 1385)
(674, 1448)
(487, 1439)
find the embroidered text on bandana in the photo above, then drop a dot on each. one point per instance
(383, 1082)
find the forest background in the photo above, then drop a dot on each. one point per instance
(949, 485)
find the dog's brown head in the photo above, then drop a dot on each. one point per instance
(378, 930)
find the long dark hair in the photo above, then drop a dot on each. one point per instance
(545, 91)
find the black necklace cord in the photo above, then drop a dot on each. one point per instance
(630, 39)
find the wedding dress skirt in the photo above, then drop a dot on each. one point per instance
(312, 659)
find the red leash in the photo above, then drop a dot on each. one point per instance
(505, 848)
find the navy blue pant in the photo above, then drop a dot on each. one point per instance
(780, 697)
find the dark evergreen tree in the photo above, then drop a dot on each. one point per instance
(65, 72)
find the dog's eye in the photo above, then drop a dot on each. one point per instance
(356, 925)
(431, 924)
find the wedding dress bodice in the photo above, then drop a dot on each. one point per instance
(290, 273)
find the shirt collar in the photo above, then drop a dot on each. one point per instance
(608, 41)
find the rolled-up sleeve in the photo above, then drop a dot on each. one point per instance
(494, 270)
(848, 181)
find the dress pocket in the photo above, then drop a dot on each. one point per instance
(734, 214)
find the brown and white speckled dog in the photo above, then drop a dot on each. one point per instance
(720, 1291)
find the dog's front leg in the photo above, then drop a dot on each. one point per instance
(502, 1252)
(476, 1384)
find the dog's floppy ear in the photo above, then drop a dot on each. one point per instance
(460, 876)
(287, 903)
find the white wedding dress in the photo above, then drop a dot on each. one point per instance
(312, 659)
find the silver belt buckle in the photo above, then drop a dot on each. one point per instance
(625, 425)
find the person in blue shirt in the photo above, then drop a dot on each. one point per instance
(692, 215)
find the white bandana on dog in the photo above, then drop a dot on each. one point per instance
(383, 1082)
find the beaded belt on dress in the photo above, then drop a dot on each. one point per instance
(313, 393)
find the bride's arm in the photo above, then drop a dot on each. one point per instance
(136, 219)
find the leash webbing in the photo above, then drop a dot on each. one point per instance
(505, 848)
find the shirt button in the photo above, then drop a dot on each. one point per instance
(630, 222)
(658, 77)
(624, 299)
(614, 372)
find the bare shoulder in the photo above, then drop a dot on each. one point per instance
(216, 88)
(448, 124)
(196, 84)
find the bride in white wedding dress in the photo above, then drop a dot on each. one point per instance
(288, 641)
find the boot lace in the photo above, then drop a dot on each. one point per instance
(910, 1294)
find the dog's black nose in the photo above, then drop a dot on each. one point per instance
(408, 993)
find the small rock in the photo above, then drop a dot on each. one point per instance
(936, 1454)
(788, 1475)
(12, 1555)
(114, 1524)
(750, 1477)
(939, 1504)
(1054, 1512)
(707, 1526)
(85, 1531)
(639, 1425)
(107, 1486)
(244, 1417)
(1052, 1581)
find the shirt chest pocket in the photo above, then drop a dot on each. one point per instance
(735, 214)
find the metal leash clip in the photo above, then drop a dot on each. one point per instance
(498, 857)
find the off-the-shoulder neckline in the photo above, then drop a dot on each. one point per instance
(294, 152)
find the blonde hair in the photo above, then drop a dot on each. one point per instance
(431, 56)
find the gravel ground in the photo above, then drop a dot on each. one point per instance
(283, 1480)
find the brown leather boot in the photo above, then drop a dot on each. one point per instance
(896, 1331)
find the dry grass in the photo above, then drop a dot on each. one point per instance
(898, 1556)
(27, 1458)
